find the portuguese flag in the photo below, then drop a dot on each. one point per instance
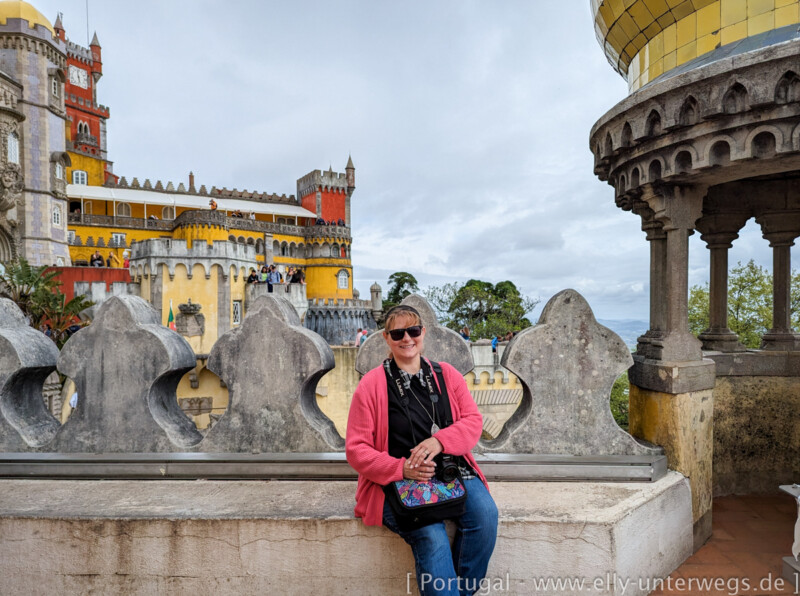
(171, 319)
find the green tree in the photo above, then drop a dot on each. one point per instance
(401, 285)
(749, 303)
(36, 291)
(488, 310)
(620, 400)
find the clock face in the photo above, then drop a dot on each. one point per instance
(78, 77)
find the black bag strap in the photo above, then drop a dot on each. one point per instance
(448, 413)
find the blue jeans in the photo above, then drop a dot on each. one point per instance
(443, 571)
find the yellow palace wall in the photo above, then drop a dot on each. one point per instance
(94, 168)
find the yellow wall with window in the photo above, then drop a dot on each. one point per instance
(95, 168)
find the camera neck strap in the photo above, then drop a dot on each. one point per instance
(396, 385)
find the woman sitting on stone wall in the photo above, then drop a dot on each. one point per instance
(382, 445)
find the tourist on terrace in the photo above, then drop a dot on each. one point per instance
(393, 440)
(253, 277)
(264, 276)
(97, 259)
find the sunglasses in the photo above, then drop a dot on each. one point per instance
(413, 331)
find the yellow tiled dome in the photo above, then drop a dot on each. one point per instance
(646, 38)
(12, 9)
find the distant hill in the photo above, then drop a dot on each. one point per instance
(627, 329)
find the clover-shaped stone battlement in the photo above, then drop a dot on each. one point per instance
(568, 363)
(271, 365)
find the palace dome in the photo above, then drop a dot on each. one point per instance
(13, 9)
(646, 39)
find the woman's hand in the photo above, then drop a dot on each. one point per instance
(424, 453)
(420, 473)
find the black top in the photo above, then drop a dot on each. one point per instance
(401, 440)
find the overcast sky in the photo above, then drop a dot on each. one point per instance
(468, 124)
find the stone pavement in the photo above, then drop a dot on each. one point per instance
(751, 535)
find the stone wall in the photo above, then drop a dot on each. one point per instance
(283, 537)
(756, 434)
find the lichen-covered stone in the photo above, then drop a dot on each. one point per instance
(27, 357)
(126, 367)
(271, 365)
(568, 363)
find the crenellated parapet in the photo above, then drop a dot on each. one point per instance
(148, 256)
(318, 180)
(17, 34)
(170, 187)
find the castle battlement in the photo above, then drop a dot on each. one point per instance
(80, 53)
(179, 249)
(232, 259)
(319, 180)
(170, 187)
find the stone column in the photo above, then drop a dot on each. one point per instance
(780, 228)
(671, 396)
(649, 344)
(718, 232)
(677, 209)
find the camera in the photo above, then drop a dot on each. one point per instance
(446, 467)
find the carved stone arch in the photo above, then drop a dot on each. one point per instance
(626, 140)
(653, 124)
(735, 99)
(758, 144)
(335, 250)
(788, 88)
(608, 149)
(7, 247)
(169, 267)
(719, 152)
(796, 138)
(276, 248)
(635, 177)
(681, 152)
(655, 169)
(325, 249)
(259, 246)
(251, 241)
(622, 186)
(284, 249)
(232, 238)
(317, 250)
(689, 112)
(185, 269)
(241, 240)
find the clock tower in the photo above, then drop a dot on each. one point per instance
(86, 118)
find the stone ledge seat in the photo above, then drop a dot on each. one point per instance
(300, 537)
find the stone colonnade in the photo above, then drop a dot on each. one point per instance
(669, 216)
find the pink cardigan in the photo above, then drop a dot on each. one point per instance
(367, 442)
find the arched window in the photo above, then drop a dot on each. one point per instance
(56, 215)
(59, 171)
(80, 177)
(168, 213)
(12, 146)
(123, 210)
(343, 279)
